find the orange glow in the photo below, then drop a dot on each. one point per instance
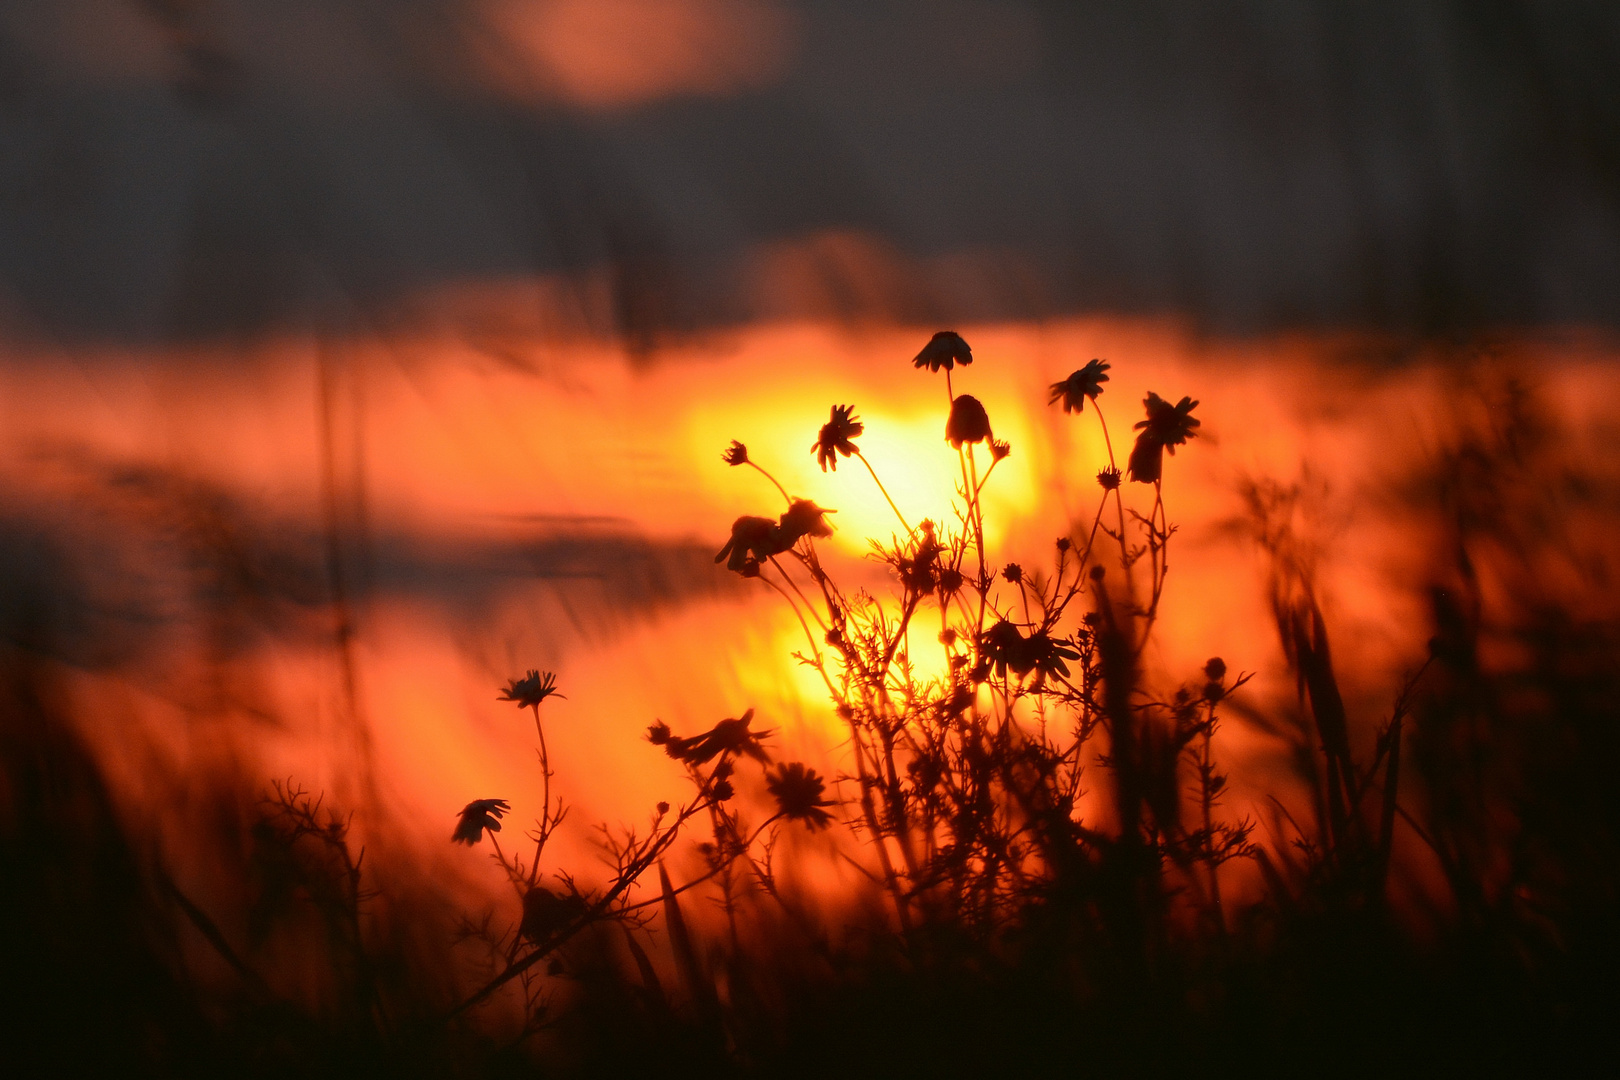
(440, 454)
(615, 53)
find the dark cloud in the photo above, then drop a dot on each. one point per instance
(200, 170)
(131, 567)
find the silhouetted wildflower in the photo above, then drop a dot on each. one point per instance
(999, 449)
(1006, 647)
(1108, 479)
(530, 690)
(1046, 654)
(545, 913)
(968, 423)
(730, 736)
(658, 733)
(1215, 669)
(723, 791)
(752, 538)
(675, 746)
(1013, 573)
(945, 350)
(476, 816)
(1166, 426)
(835, 437)
(735, 454)
(733, 737)
(798, 792)
(1082, 384)
(1003, 646)
(802, 518)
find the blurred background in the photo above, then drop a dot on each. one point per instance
(357, 356)
(185, 170)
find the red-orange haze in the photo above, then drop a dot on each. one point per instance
(486, 501)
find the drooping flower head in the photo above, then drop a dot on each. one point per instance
(476, 816)
(530, 690)
(735, 454)
(835, 437)
(1080, 385)
(968, 422)
(730, 736)
(753, 540)
(1166, 425)
(945, 350)
(999, 449)
(802, 518)
(1108, 479)
(1004, 646)
(798, 792)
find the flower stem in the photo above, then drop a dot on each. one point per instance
(545, 809)
(1119, 501)
(879, 483)
(772, 479)
(798, 592)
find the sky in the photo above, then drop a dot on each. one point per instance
(197, 169)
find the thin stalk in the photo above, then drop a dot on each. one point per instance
(1206, 770)
(545, 809)
(885, 491)
(1119, 503)
(1091, 538)
(785, 496)
(695, 882)
(820, 666)
(800, 594)
(1158, 544)
(513, 875)
(978, 507)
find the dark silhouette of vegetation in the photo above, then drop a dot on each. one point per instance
(1053, 871)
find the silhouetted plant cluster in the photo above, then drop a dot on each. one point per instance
(1039, 814)
(551, 918)
(978, 696)
(1035, 812)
